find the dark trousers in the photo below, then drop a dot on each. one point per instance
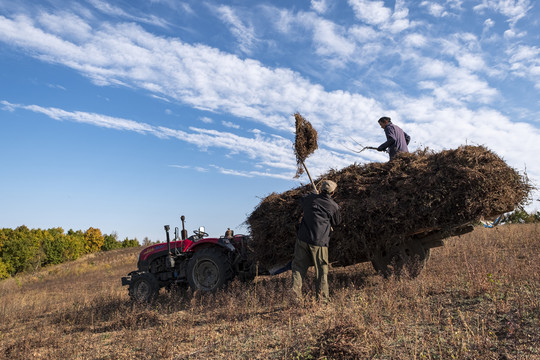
(306, 255)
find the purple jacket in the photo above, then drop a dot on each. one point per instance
(396, 140)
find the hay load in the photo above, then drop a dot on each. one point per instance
(400, 200)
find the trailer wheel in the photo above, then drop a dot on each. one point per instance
(209, 269)
(408, 258)
(143, 288)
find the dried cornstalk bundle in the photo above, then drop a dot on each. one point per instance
(394, 201)
(305, 142)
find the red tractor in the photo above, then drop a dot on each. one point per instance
(205, 264)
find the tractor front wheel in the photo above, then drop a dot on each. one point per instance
(209, 269)
(144, 287)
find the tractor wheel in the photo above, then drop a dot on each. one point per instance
(144, 287)
(209, 269)
(408, 258)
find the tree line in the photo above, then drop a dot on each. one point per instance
(520, 216)
(22, 249)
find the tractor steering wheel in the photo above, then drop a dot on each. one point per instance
(200, 234)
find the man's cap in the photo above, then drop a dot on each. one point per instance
(384, 119)
(328, 186)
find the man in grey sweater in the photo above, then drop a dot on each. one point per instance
(396, 139)
(321, 213)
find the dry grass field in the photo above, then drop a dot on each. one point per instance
(478, 298)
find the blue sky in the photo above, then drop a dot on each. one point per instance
(124, 115)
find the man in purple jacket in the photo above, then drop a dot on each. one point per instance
(396, 139)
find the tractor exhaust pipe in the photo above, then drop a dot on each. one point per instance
(183, 236)
(167, 227)
(170, 261)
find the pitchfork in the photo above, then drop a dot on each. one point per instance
(362, 146)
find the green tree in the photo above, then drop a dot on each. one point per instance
(75, 245)
(54, 246)
(21, 250)
(93, 240)
(111, 242)
(130, 243)
(4, 274)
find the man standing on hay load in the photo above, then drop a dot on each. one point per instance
(396, 139)
(321, 213)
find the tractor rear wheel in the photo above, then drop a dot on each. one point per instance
(403, 259)
(209, 269)
(144, 287)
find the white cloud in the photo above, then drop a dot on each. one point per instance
(180, 166)
(435, 68)
(463, 86)
(512, 34)
(449, 8)
(371, 12)
(88, 118)
(488, 24)
(329, 39)
(245, 34)
(65, 24)
(364, 34)
(376, 14)
(400, 18)
(176, 5)
(112, 10)
(415, 40)
(320, 6)
(473, 62)
(230, 125)
(514, 10)
(525, 62)
(434, 8)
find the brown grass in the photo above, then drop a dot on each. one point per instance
(478, 298)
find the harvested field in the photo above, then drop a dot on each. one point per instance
(478, 298)
(388, 202)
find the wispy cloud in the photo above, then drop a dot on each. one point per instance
(115, 11)
(230, 124)
(244, 33)
(525, 62)
(514, 10)
(268, 151)
(320, 6)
